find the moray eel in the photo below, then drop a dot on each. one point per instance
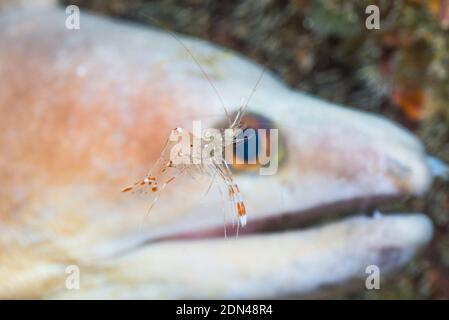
(85, 112)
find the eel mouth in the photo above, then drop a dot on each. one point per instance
(287, 221)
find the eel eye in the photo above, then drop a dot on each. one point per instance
(252, 144)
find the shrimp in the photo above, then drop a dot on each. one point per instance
(166, 170)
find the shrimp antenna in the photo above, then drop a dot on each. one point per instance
(242, 110)
(255, 87)
(253, 91)
(220, 98)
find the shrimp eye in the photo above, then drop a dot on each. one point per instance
(252, 144)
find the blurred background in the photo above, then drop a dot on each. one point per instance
(323, 47)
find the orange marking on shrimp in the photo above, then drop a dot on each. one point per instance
(241, 210)
(126, 189)
(231, 191)
(154, 189)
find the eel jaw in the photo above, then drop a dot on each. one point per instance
(289, 264)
